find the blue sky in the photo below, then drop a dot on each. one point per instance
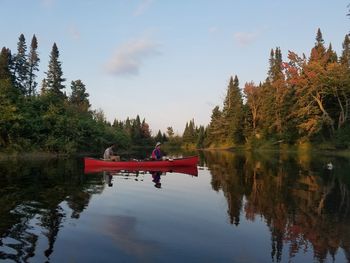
(168, 61)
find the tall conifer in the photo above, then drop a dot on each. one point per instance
(318, 51)
(21, 65)
(345, 56)
(233, 112)
(54, 75)
(33, 66)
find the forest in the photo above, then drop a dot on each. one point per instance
(303, 100)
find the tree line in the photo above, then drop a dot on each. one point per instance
(45, 118)
(304, 99)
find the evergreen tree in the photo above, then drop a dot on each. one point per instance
(136, 130)
(331, 55)
(21, 66)
(145, 131)
(215, 130)
(318, 52)
(275, 61)
(190, 132)
(54, 75)
(201, 137)
(185, 133)
(127, 127)
(345, 56)
(233, 113)
(164, 138)
(159, 137)
(79, 96)
(275, 70)
(5, 64)
(33, 66)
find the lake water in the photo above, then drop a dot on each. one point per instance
(240, 208)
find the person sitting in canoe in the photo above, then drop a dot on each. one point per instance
(156, 153)
(109, 153)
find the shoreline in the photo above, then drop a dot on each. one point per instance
(290, 150)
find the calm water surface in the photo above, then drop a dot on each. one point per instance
(240, 208)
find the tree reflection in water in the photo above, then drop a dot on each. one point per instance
(304, 205)
(32, 196)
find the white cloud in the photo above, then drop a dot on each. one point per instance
(245, 38)
(74, 32)
(142, 7)
(130, 56)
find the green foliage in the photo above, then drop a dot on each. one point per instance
(233, 113)
(5, 64)
(51, 121)
(79, 96)
(190, 133)
(10, 115)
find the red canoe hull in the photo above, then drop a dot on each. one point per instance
(186, 165)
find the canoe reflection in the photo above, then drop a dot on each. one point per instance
(190, 170)
(156, 173)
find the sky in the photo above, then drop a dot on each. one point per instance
(168, 61)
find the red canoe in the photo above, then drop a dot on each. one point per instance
(186, 165)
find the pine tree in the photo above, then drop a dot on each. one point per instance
(164, 137)
(54, 75)
(275, 70)
(185, 133)
(319, 38)
(159, 137)
(318, 52)
(21, 66)
(331, 55)
(345, 56)
(5, 64)
(79, 96)
(33, 66)
(127, 126)
(201, 137)
(233, 113)
(136, 130)
(216, 127)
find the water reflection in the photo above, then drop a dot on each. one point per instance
(32, 196)
(155, 175)
(304, 205)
